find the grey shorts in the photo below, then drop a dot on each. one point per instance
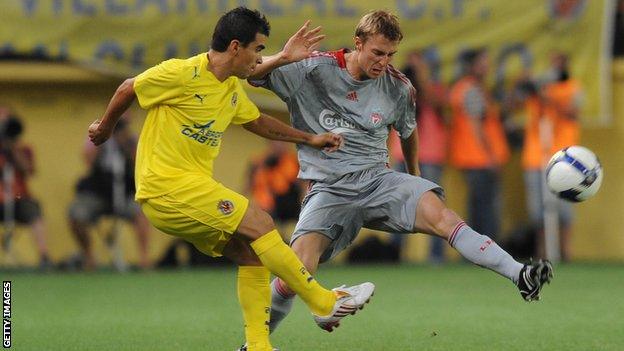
(375, 198)
(89, 208)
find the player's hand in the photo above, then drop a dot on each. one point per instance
(302, 43)
(329, 142)
(98, 134)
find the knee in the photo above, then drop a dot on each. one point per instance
(256, 223)
(264, 222)
(309, 249)
(241, 253)
(305, 253)
(447, 221)
(248, 259)
(433, 217)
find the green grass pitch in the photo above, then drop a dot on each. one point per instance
(454, 307)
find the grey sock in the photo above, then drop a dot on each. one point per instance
(483, 251)
(281, 304)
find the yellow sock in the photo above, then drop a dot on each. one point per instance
(282, 261)
(254, 295)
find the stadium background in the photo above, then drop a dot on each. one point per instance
(90, 46)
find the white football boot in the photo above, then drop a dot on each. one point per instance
(349, 301)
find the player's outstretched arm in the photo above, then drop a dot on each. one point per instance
(297, 48)
(102, 129)
(271, 128)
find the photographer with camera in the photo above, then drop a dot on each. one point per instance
(16, 202)
(108, 189)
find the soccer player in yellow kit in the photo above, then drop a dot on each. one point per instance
(190, 103)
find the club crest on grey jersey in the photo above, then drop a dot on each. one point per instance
(376, 116)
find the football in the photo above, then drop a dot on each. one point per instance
(574, 173)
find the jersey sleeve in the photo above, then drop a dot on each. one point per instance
(285, 81)
(405, 122)
(159, 84)
(246, 110)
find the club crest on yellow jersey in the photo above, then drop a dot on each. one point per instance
(225, 206)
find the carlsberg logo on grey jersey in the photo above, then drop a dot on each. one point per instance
(337, 124)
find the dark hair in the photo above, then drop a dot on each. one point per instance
(240, 24)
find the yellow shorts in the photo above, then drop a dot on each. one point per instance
(205, 215)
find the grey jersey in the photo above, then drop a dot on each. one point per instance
(323, 97)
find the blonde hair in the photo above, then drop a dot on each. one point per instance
(379, 22)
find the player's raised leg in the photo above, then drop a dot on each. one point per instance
(433, 217)
(282, 261)
(266, 242)
(308, 248)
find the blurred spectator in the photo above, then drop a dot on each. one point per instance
(478, 146)
(16, 203)
(111, 171)
(273, 183)
(431, 105)
(552, 112)
(512, 103)
(618, 33)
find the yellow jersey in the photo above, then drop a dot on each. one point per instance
(188, 111)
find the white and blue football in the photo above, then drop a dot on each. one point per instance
(574, 173)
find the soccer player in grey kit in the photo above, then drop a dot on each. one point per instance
(360, 95)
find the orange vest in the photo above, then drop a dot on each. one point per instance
(567, 131)
(466, 149)
(267, 182)
(563, 131)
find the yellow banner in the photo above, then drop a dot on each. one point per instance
(124, 37)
